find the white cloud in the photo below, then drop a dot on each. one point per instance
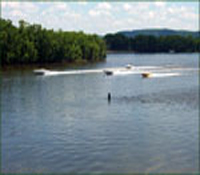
(136, 8)
(151, 14)
(160, 3)
(127, 6)
(170, 10)
(10, 4)
(57, 9)
(93, 13)
(59, 15)
(181, 13)
(104, 6)
(17, 13)
(26, 6)
(177, 16)
(19, 10)
(60, 6)
(101, 9)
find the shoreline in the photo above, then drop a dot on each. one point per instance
(61, 65)
(64, 65)
(126, 51)
(118, 51)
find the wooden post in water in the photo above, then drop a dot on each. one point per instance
(109, 97)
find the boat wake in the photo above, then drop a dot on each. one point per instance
(162, 75)
(46, 72)
(145, 71)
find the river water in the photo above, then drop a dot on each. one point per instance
(65, 123)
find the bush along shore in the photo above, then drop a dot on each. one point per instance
(33, 44)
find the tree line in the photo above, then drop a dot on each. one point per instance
(29, 44)
(152, 44)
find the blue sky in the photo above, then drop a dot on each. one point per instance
(103, 17)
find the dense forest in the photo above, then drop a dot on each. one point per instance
(152, 44)
(29, 44)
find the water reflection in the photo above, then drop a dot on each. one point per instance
(66, 124)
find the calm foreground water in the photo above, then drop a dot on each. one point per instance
(65, 123)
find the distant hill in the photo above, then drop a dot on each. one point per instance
(159, 32)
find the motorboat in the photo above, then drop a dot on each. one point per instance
(108, 72)
(147, 75)
(129, 66)
(41, 71)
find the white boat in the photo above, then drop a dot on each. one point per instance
(129, 66)
(41, 71)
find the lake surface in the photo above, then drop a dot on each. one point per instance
(65, 123)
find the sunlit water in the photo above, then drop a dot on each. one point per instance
(65, 123)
